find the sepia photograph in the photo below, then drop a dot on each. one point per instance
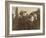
(24, 18)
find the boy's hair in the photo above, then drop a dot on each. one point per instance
(21, 12)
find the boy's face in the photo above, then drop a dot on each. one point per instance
(24, 14)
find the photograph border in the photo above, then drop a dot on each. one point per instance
(7, 18)
(40, 30)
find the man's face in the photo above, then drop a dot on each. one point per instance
(32, 18)
(35, 16)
